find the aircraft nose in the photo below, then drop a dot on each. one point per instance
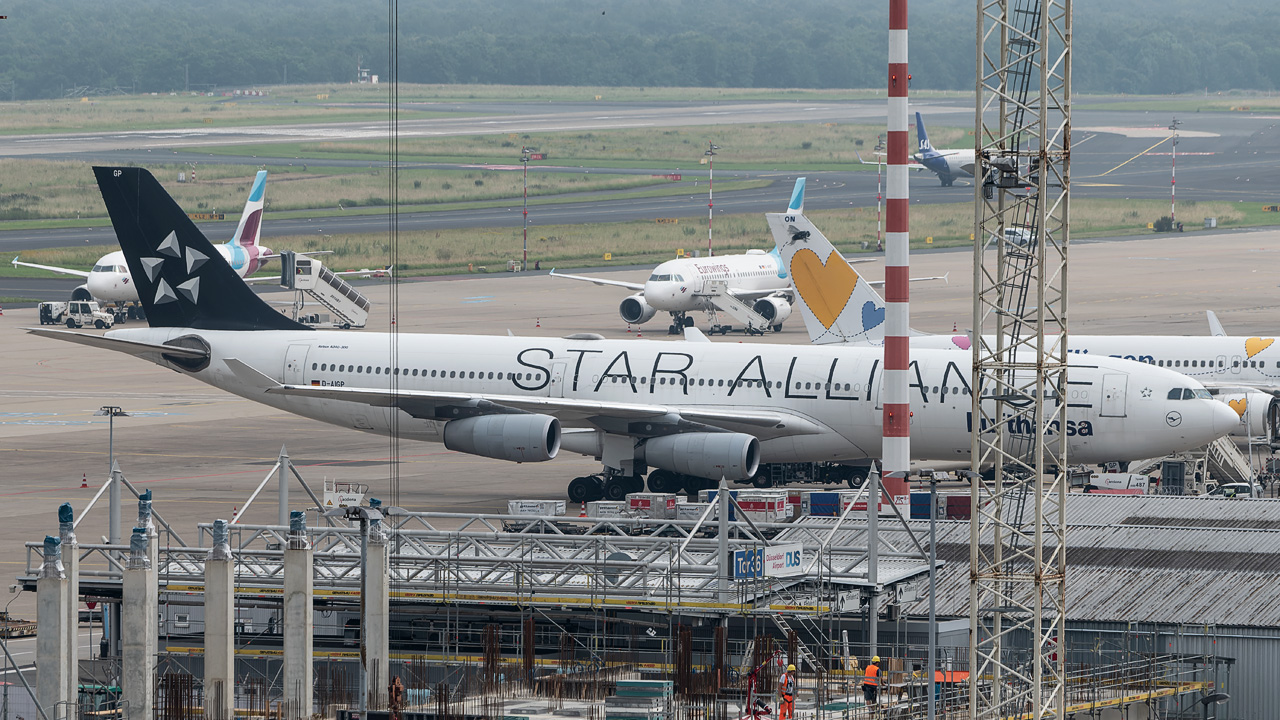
(1225, 419)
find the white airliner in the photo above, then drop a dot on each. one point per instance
(687, 285)
(1243, 372)
(946, 164)
(110, 282)
(693, 411)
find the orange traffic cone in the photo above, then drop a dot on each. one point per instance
(628, 327)
(84, 480)
(583, 511)
(234, 512)
(954, 327)
(538, 322)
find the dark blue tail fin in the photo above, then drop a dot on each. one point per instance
(181, 278)
(926, 148)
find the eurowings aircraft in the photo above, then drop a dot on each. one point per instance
(692, 411)
(946, 164)
(687, 285)
(110, 282)
(839, 307)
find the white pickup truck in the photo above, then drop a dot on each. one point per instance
(75, 314)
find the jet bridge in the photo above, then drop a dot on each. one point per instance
(308, 275)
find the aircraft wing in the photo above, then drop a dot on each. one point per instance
(599, 281)
(51, 268)
(435, 405)
(878, 283)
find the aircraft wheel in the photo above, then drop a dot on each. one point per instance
(777, 328)
(615, 488)
(858, 476)
(688, 322)
(762, 480)
(635, 484)
(663, 481)
(673, 330)
(583, 489)
(693, 484)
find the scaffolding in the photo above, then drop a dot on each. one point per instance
(1018, 583)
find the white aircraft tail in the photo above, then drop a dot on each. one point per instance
(838, 304)
(250, 228)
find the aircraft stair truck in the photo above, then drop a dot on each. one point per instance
(308, 275)
(717, 293)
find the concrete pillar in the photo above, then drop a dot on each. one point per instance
(376, 623)
(51, 631)
(139, 631)
(71, 566)
(297, 621)
(219, 627)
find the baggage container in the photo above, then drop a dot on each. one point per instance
(959, 507)
(608, 509)
(535, 508)
(656, 506)
(691, 511)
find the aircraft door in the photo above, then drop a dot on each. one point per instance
(557, 379)
(1236, 362)
(1220, 364)
(295, 359)
(1114, 387)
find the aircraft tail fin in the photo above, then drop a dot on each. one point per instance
(796, 206)
(182, 280)
(922, 135)
(838, 304)
(250, 228)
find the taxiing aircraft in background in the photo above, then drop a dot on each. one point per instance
(946, 164)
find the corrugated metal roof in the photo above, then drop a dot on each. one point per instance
(1129, 558)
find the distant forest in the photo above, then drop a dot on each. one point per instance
(1132, 46)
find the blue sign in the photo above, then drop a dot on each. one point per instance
(748, 563)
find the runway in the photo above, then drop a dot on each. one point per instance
(1223, 156)
(202, 451)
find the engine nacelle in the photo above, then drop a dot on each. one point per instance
(1259, 413)
(81, 293)
(519, 438)
(773, 308)
(635, 310)
(735, 456)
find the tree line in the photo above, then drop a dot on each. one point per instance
(1137, 46)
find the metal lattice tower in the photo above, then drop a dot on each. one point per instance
(1017, 589)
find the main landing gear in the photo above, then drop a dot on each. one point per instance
(679, 321)
(604, 486)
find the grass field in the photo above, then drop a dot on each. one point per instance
(763, 146)
(38, 189)
(853, 231)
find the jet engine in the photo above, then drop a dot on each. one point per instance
(773, 308)
(519, 438)
(1259, 414)
(735, 456)
(635, 310)
(81, 293)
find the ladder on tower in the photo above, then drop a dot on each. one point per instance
(801, 649)
(717, 293)
(308, 275)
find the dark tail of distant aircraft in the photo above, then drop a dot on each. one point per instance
(926, 148)
(181, 279)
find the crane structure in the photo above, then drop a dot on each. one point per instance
(1022, 132)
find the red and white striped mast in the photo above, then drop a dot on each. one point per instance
(896, 446)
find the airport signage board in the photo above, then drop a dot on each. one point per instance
(783, 560)
(748, 564)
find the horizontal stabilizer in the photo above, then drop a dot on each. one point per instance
(129, 347)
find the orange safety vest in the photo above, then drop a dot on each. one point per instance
(873, 675)
(787, 685)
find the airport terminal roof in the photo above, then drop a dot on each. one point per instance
(1138, 559)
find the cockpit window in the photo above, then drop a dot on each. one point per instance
(1202, 394)
(678, 278)
(1189, 394)
(659, 278)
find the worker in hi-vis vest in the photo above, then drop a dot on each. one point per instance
(871, 681)
(787, 689)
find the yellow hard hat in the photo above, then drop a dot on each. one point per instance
(791, 668)
(875, 659)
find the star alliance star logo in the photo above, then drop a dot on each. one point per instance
(1146, 392)
(193, 259)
